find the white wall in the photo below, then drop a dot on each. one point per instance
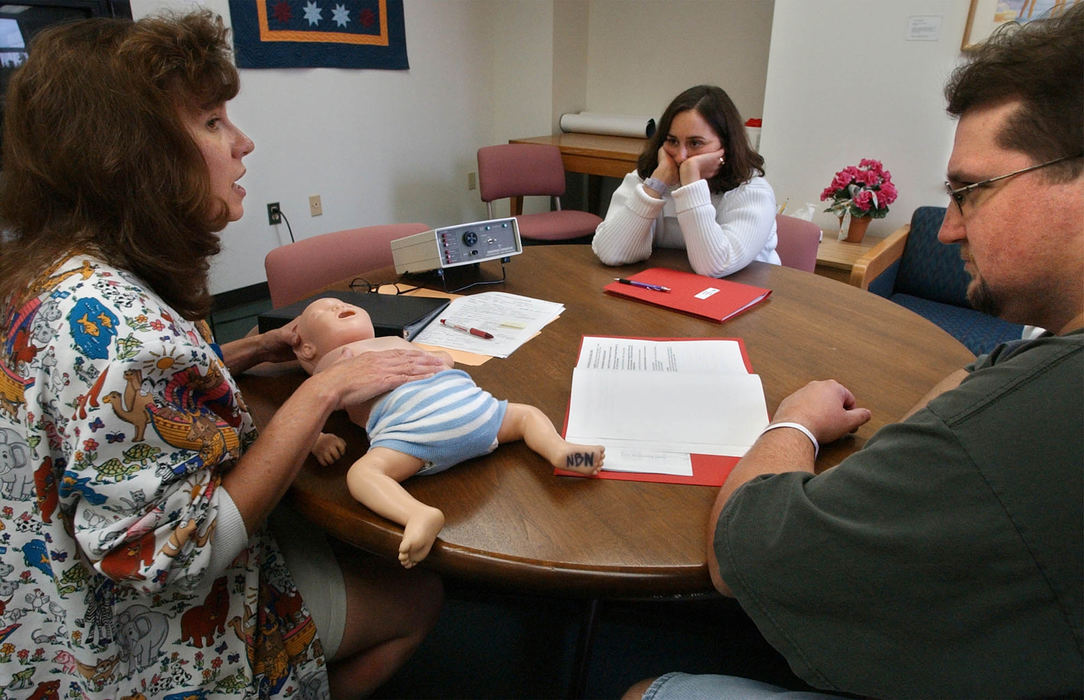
(844, 83)
(521, 35)
(571, 21)
(642, 53)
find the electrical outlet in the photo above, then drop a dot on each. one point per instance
(315, 208)
(274, 213)
(472, 180)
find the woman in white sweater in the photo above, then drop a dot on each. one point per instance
(698, 185)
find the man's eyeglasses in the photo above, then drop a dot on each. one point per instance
(959, 195)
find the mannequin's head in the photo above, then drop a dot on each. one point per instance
(327, 324)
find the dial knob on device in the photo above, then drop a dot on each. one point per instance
(470, 238)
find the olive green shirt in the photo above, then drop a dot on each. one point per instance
(944, 559)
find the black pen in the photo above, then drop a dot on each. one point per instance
(644, 285)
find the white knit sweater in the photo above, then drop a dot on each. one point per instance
(722, 232)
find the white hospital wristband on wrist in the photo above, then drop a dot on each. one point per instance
(797, 426)
(657, 185)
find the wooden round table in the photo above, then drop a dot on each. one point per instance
(512, 523)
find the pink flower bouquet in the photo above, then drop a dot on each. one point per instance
(862, 190)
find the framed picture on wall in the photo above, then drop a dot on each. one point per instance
(984, 16)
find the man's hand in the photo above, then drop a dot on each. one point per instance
(826, 407)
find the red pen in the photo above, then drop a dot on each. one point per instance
(473, 331)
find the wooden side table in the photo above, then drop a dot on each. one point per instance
(835, 258)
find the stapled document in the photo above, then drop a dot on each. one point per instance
(661, 407)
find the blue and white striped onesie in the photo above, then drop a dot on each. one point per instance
(442, 420)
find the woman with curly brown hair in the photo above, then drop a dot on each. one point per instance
(698, 185)
(134, 488)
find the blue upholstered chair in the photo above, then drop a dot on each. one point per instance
(912, 268)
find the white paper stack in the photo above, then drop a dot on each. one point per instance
(653, 403)
(511, 319)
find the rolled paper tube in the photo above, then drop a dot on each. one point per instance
(608, 124)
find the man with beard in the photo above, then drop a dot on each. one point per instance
(945, 558)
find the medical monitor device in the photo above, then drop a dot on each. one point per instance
(455, 246)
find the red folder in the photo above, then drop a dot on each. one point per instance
(699, 295)
(708, 470)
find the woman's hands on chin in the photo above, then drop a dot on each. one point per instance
(702, 167)
(357, 378)
(667, 169)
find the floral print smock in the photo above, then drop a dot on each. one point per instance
(117, 422)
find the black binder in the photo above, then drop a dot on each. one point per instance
(392, 314)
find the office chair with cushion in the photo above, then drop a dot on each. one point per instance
(516, 170)
(797, 242)
(915, 270)
(297, 270)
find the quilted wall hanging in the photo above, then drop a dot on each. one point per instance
(319, 33)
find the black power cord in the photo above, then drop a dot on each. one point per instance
(288, 227)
